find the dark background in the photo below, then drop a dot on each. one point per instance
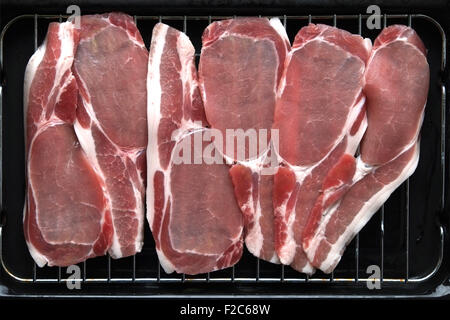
(439, 10)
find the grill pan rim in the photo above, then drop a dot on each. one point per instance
(5, 291)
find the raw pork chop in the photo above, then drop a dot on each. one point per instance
(111, 70)
(240, 68)
(397, 80)
(320, 116)
(195, 220)
(66, 214)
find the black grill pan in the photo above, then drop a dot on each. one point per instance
(407, 239)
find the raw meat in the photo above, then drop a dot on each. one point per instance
(397, 80)
(253, 191)
(111, 70)
(238, 97)
(195, 220)
(240, 69)
(320, 116)
(67, 219)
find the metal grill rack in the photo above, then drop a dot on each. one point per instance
(280, 276)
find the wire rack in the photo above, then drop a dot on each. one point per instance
(280, 276)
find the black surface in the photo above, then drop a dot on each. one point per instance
(437, 8)
(426, 214)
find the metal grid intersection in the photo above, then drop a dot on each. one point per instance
(408, 18)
